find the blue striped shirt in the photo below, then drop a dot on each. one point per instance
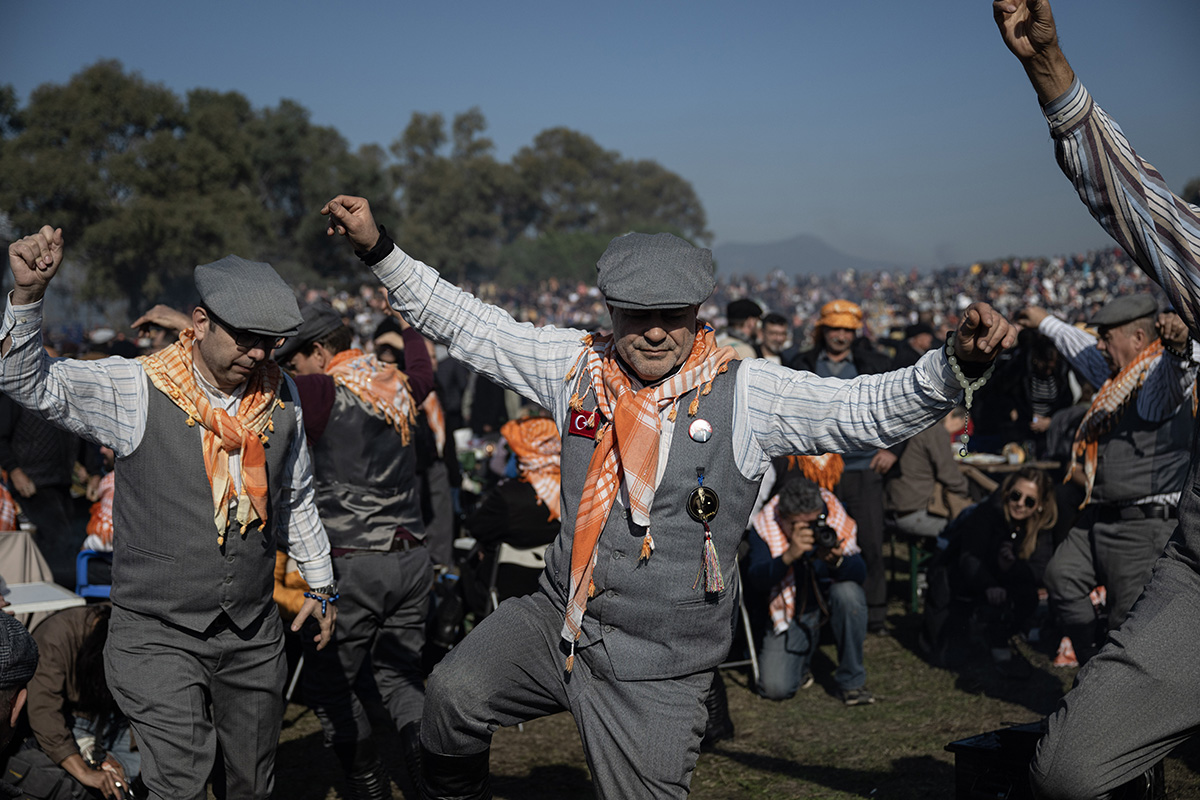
(777, 411)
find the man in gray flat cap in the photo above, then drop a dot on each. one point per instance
(212, 468)
(18, 662)
(1134, 702)
(1131, 454)
(359, 415)
(666, 437)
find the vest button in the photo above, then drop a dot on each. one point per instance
(613, 593)
(228, 579)
(618, 555)
(608, 628)
(229, 559)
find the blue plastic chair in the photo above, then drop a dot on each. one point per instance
(82, 587)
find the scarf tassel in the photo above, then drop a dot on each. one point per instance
(647, 547)
(710, 566)
(571, 657)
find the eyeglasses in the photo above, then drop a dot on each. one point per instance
(245, 339)
(1016, 497)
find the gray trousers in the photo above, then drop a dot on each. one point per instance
(1120, 555)
(861, 492)
(1135, 701)
(382, 613)
(641, 738)
(186, 693)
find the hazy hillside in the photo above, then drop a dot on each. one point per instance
(800, 255)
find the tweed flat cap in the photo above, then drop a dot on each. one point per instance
(18, 653)
(1125, 309)
(249, 295)
(640, 270)
(320, 319)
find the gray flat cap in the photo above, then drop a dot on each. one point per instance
(639, 270)
(320, 319)
(249, 295)
(18, 653)
(1125, 309)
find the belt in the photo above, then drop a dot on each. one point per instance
(403, 541)
(1111, 513)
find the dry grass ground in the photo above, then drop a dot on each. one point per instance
(809, 747)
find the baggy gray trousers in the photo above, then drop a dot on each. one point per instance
(641, 738)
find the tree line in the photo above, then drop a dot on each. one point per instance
(148, 184)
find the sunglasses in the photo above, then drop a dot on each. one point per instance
(245, 339)
(1016, 497)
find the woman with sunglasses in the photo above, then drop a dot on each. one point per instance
(989, 568)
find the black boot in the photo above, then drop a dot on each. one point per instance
(719, 725)
(366, 779)
(410, 750)
(456, 777)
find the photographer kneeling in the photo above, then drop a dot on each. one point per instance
(804, 558)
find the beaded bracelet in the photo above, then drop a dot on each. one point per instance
(1186, 356)
(968, 387)
(325, 601)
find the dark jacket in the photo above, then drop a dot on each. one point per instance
(868, 359)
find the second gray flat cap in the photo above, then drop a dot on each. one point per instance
(1125, 309)
(641, 270)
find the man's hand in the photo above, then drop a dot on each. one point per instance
(164, 317)
(832, 555)
(882, 461)
(34, 260)
(1031, 317)
(312, 608)
(109, 780)
(1039, 424)
(21, 482)
(1028, 30)
(802, 540)
(1173, 331)
(351, 217)
(982, 334)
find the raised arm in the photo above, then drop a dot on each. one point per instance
(102, 401)
(1125, 193)
(531, 361)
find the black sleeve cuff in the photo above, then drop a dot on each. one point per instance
(380, 251)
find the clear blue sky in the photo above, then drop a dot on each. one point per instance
(895, 131)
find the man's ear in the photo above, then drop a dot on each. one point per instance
(17, 705)
(199, 315)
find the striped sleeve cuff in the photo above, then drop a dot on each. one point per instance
(1066, 112)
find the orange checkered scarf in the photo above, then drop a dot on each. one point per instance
(100, 523)
(538, 447)
(626, 447)
(768, 525)
(381, 386)
(171, 372)
(1105, 412)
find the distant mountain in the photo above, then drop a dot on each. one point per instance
(800, 255)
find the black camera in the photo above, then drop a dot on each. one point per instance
(826, 537)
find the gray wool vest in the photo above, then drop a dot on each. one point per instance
(166, 560)
(365, 477)
(1140, 459)
(654, 617)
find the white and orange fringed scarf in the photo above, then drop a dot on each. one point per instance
(626, 448)
(171, 372)
(538, 447)
(1105, 413)
(380, 385)
(768, 525)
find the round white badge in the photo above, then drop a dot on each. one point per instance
(700, 431)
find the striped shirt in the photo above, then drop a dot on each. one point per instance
(1129, 198)
(106, 401)
(777, 411)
